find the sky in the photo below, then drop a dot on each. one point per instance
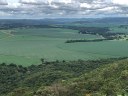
(28, 9)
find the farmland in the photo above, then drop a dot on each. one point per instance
(27, 45)
(64, 57)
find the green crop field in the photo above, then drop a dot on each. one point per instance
(27, 45)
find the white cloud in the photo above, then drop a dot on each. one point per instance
(13, 5)
(107, 9)
(122, 2)
(28, 1)
(85, 5)
(63, 1)
(33, 2)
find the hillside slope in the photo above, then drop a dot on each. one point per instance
(60, 78)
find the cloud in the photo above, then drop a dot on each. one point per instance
(121, 2)
(31, 2)
(63, 8)
(3, 2)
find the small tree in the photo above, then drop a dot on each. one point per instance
(42, 60)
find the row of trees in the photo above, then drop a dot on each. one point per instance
(95, 40)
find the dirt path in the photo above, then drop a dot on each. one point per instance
(8, 33)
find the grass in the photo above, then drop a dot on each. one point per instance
(3, 34)
(99, 49)
(52, 33)
(27, 46)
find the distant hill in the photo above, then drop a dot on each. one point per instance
(64, 20)
(110, 20)
(113, 20)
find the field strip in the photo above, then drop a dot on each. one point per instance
(98, 53)
(87, 52)
(28, 57)
(7, 33)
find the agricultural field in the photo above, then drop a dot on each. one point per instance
(28, 45)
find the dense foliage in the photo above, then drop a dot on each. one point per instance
(64, 78)
(95, 40)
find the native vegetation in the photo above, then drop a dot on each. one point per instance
(66, 78)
